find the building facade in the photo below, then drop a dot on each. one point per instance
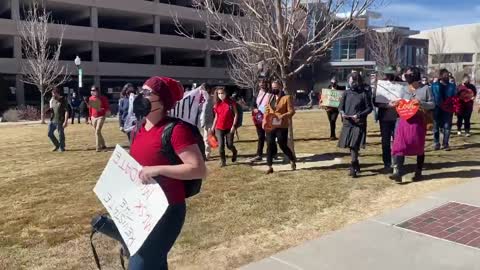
(456, 48)
(118, 41)
(352, 53)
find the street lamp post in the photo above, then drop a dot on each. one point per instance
(78, 63)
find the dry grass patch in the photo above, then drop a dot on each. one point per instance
(241, 215)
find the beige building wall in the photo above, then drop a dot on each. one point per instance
(458, 40)
(94, 36)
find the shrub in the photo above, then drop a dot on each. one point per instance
(29, 113)
(10, 115)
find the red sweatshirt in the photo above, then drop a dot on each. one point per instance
(98, 106)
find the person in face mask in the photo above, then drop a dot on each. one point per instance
(443, 92)
(409, 139)
(355, 106)
(281, 106)
(226, 117)
(387, 117)
(158, 96)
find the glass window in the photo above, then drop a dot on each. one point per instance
(344, 49)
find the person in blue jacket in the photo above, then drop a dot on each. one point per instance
(443, 92)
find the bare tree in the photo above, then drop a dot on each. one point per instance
(243, 69)
(41, 67)
(442, 58)
(293, 33)
(476, 40)
(384, 46)
(246, 68)
(438, 47)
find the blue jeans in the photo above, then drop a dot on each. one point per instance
(60, 142)
(442, 120)
(153, 254)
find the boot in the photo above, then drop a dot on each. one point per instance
(356, 165)
(397, 175)
(353, 171)
(398, 169)
(418, 171)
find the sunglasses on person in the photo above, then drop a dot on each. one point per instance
(146, 92)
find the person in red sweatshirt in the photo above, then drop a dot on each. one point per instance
(98, 107)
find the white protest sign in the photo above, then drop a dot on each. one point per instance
(134, 207)
(190, 106)
(387, 91)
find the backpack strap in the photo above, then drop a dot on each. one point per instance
(94, 251)
(167, 148)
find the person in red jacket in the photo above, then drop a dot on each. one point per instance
(158, 96)
(98, 107)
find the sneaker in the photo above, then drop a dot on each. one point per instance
(61, 150)
(447, 148)
(437, 147)
(269, 171)
(468, 134)
(55, 149)
(459, 133)
(256, 159)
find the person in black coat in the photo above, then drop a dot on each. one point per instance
(354, 108)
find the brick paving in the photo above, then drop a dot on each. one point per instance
(453, 221)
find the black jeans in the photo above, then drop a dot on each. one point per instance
(280, 135)
(464, 117)
(74, 111)
(153, 253)
(387, 131)
(224, 136)
(332, 119)
(261, 142)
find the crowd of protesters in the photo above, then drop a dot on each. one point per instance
(143, 115)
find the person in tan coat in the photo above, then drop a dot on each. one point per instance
(277, 117)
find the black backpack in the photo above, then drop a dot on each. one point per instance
(192, 187)
(105, 225)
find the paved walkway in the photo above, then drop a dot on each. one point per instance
(411, 237)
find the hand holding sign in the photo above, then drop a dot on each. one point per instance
(406, 109)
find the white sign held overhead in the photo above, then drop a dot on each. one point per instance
(387, 91)
(134, 207)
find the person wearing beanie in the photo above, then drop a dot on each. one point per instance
(160, 94)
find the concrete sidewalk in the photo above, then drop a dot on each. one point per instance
(397, 240)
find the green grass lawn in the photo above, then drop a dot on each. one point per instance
(241, 215)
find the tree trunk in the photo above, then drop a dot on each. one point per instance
(287, 87)
(42, 106)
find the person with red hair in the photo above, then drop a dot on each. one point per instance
(158, 96)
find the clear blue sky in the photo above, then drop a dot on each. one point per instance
(428, 14)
